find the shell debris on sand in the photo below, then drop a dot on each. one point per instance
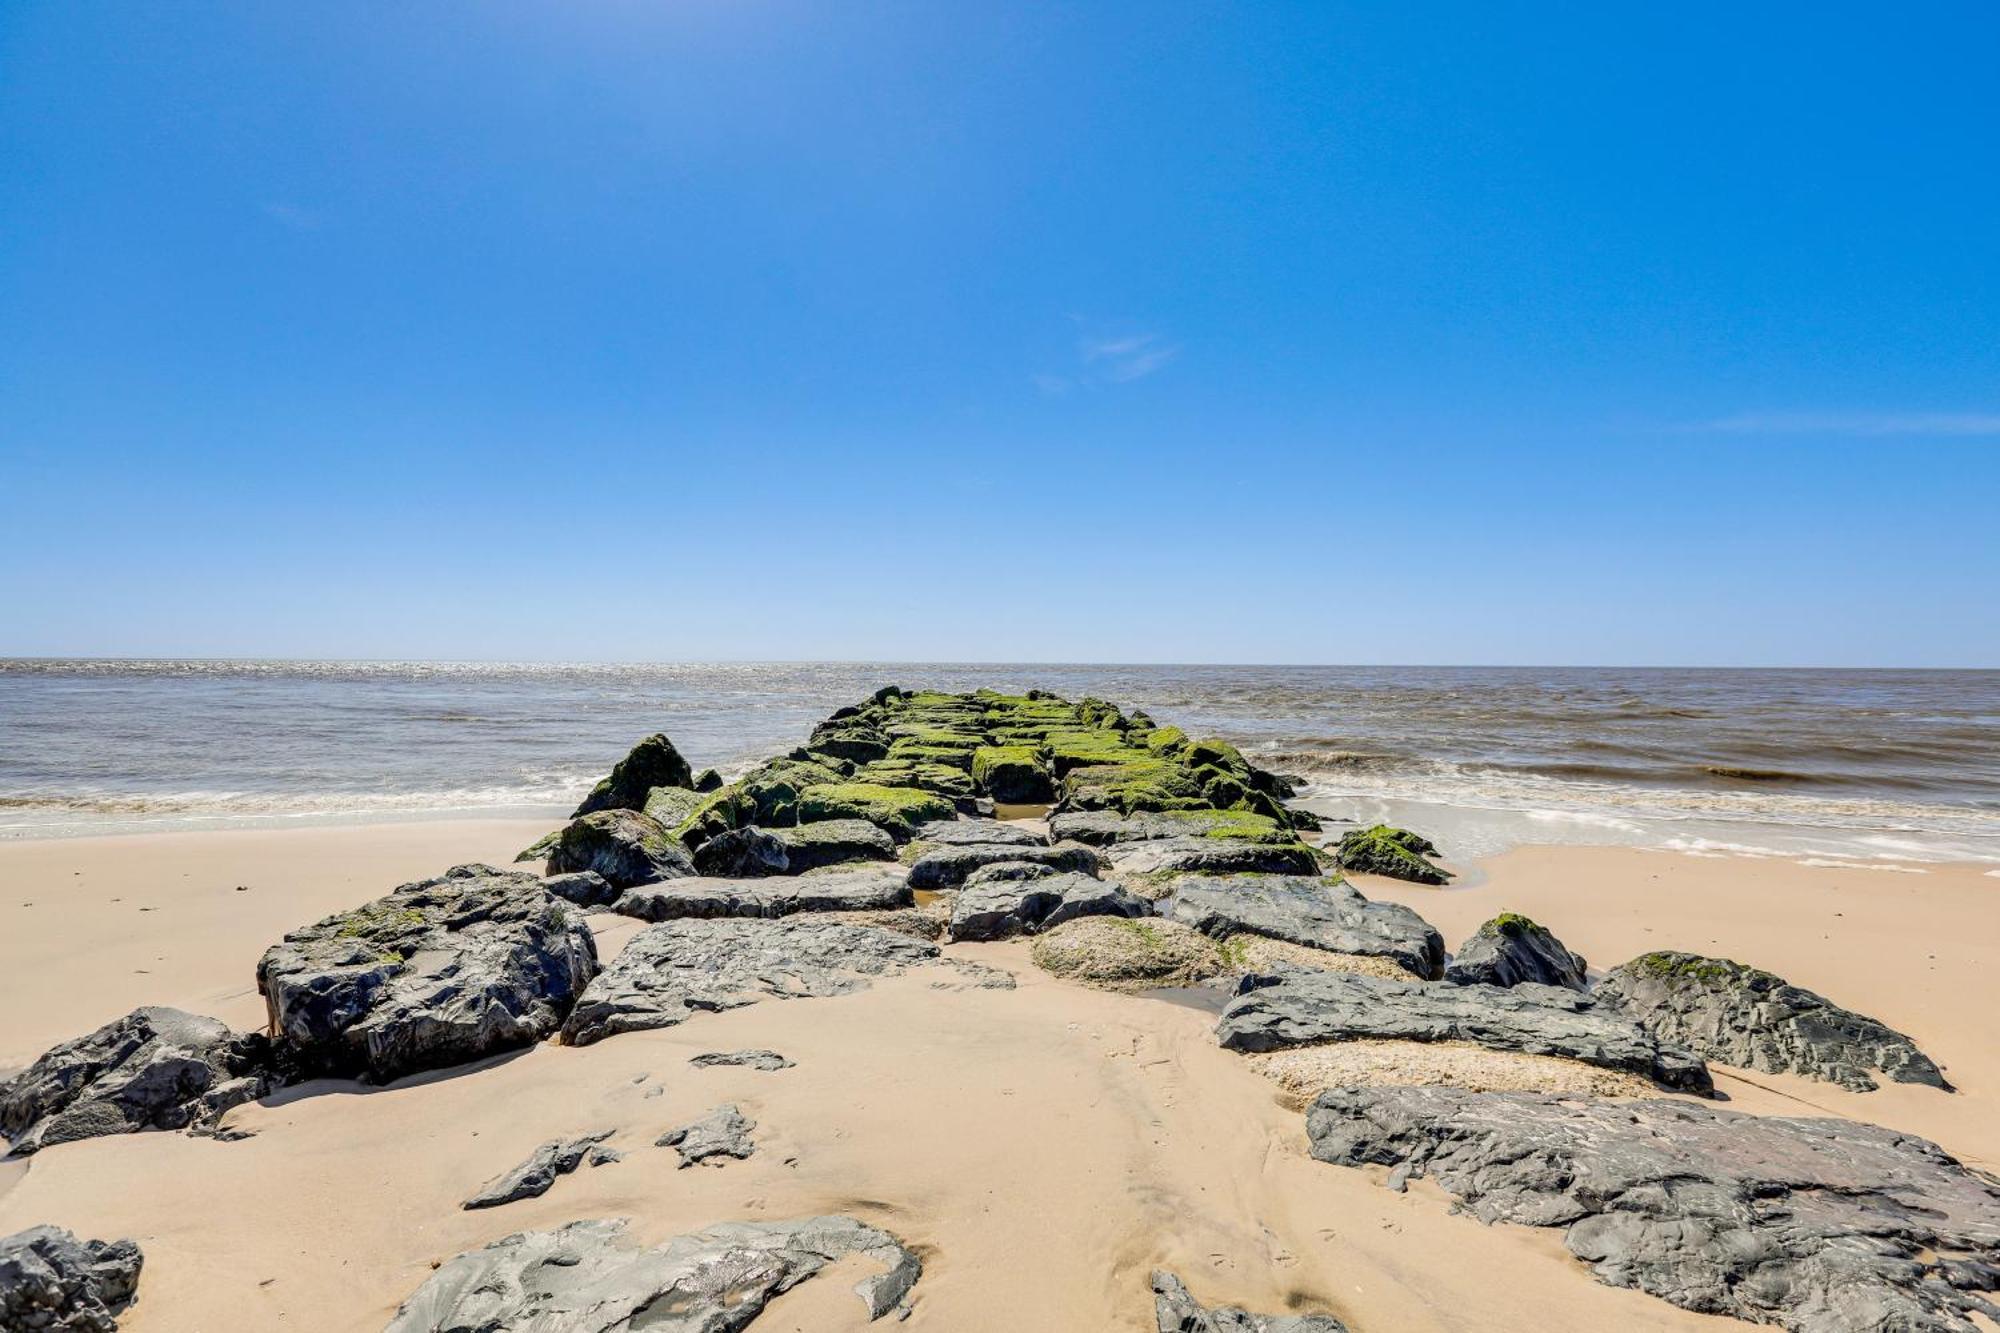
(1306, 1071)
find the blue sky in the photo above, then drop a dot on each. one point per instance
(1136, 332)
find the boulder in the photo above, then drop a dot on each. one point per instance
(624, 846)
(1162, 858)
(672, 806)
(708, 780)
(1297, 1007)
(1397, 853)
(439, 972)
(585, 888)
(947, 867)
(588, 1277)
(1511, 949)
(1175, 1311)
(152, 1069)
(1104, 828)
(653, 762)
(1741, 1016)
(834, 842)
(533, 1178)
(1819, 1226)
(840, 889)
(999, 909)
(669, 972)
(51, 1282)
(723, 1132)
(742, 853)
(898, 811)
(981, 832)
(1013, 774)
(1328, 914)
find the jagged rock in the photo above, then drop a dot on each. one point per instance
(947, 867)
(1176, 1312)
(999, 909)
(152, 1069)
(1397, 853)
(708, 780)
(623, 846)
(1009, 872)
(585, 888)
(668, 972)
(768, 1061)
(588, 1278)
(1821, 1226)
(979, 832)
(1106, 828)
(742, 853)
(1741, 1016)
(723, 1132)
(539, 849)
(839, 889)
(532, 1178)
(1328, 914)
(51, 1282)
(653, 762)
(436, 973)
(1160, 858)
(1297, 1007)
(1511, 949)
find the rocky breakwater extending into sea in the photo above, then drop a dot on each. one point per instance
(1127, 855)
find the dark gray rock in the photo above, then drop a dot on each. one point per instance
(1008, 872)
(671, 971)
(51, 1282)
(439, 972)
(624, 846)
(1511, 949)
(768, 1061)
(1821, 1226)
(1297, 1007)
(742, 853)
(947, 867)
(708, 780)
(585, 888)
(723, 1132)
(653, 762)
(1176, 1312)
(1000, 909)
(1395, 852)
(152, 1069)
(532, 1178)
(839, 889)
(588, 1278)
(977, 832)
(1741, 1016)
(1108, 828)
(834, 842)
(1163, 857)
(1328, 914)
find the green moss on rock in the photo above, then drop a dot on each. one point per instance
(1397, 853)
(897, 810)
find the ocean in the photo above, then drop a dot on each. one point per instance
(1882, 769)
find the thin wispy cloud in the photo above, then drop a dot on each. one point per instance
(1961, 424)
(1110, 360)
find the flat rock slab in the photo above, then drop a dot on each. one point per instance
(1107, 828)
(1319, 913)
(768, 1061)
(1821, 1226)
(154, 1068)
(668, 972)
(947, 867)
(999, 909)
(50, 1280)
(1298, 1007)
(587, 1277)
(533, 1178)
(979, 832)
(857, 889)
(1211, 856)
(1511, 949)
(723, 1132)
(437, 973)
(1742, 1016)
(1176, 1311)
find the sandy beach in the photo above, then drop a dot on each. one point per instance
(1042, 1148)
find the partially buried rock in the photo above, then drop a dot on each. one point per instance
(723, 1132)
(1117, 953)
(1162, 858)
(1296, 1007)
(1176, 1312)
(152, 1069)
(1511, 949)
(768, 1061)
(1395, 852)
(532, 1178)
(998, 909)
(623, 846)
(587, 1277)
(50, 1280)
(1745, 1017)
(669, 972)
(653, 762)
(1821, 1226)
(837, 889)
(947, 867)
(1009, 872)
(439, 972)
(1328, 914)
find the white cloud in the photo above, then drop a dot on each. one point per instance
(1122, 360)
(1858, 423)
(290, 215)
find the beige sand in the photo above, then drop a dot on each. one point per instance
(1044, 1147)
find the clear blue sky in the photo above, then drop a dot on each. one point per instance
(1142, 332)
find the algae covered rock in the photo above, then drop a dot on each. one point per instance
(742, 853)
(1397, 853)
(653, 762)
(1013, 774)
(898, 811)
(833, 842)
(1162, 858)
(51, 1281)
(1742, 1016)
(1511, 949)
(1106, 828)
(1127, 953)
(624, 846)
